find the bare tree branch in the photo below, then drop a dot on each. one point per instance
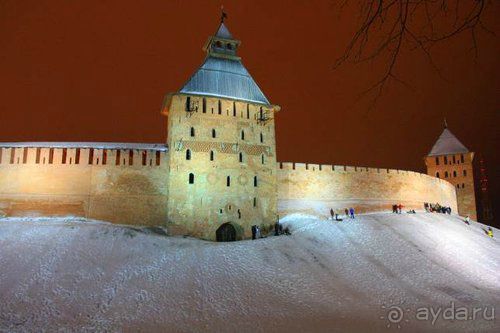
(388, 26)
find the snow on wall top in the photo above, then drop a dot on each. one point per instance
(95, 145)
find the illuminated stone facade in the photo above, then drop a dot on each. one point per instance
(216, 177)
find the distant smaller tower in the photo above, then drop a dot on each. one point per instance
(450, 160)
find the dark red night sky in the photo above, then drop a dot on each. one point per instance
(98, 70)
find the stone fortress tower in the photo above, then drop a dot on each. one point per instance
(450, 160)
(222, 175)
(217, 175)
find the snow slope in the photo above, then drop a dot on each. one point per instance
(78, 275)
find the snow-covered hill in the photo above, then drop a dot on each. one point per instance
(71, 274)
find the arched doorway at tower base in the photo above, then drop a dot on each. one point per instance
(226, 233)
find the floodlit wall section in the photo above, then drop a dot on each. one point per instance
(125, 186)
(315, 189)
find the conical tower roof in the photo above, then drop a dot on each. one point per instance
(222, 74)
(447, 144)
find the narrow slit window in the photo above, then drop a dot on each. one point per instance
(437, 160)
(261, 138)
(234, 109)
(1, 151)
(248, 111)
(191, 132)
(214, 133)
(462, 159)
(463, 185)
(454, 173)
(188, 103)
(437, 174)
(242, 135)
(37, 157)
(191, 178)
(91, 155)
(144, 158)
(255, 202)
(211, 155)
(130, 157)
(77, 156)
(255, 181)
(241, 157)
(204, 105)
(188, 154)
(158, 158)
(64, 155)
(446, 160)
(104, 156)
(263, 161)
(465, 173)
(51, 155)
(446, 174)
(219, 107)
(12, 155)
(25, 155)
(454, 159)
(117, 160)
(228, 181)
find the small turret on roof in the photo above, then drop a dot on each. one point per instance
(222, 74)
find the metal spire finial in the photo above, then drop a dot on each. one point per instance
(223, 14)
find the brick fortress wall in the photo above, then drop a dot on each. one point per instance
(315, 189)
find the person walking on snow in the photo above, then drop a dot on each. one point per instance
(351, 211)
(331, 213)
(490, 232)
(467, 219)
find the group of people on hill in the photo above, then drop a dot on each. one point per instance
(437, 208)
(336, 214)
(397, 209)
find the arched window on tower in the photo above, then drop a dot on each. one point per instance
(242, 135)
(204, 105)
(188, 154)
(191, 178)
(191, 132)
(228, 181)
(437, 174)
(446, 160)
(241, 157)
(219, 107)
(463, 185)
(255, 181)
(454, 173)
(462, 159)
(437, 160)
(446, 174)
(211, 155)
(214, 133)
(454, 159)
(465, 173)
